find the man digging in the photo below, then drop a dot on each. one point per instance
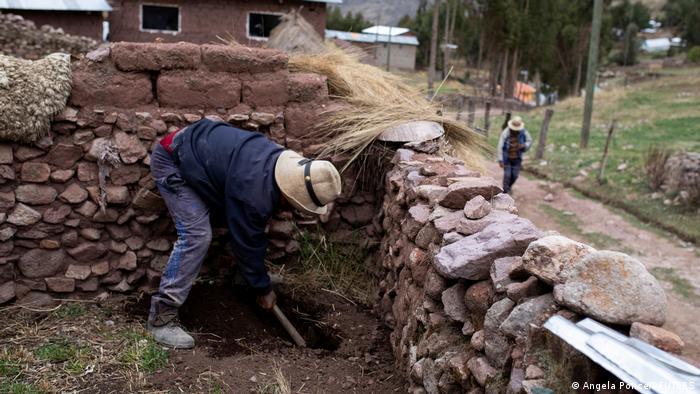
(211, 169)
(514, 141)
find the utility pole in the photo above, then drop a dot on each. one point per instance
(591, 72)
(388, 52)
(433, 47)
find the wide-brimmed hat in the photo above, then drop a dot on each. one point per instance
(516, 123)
(309, 185)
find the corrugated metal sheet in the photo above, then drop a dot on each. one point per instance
(56, 5)
(386, 30)
(371, 38)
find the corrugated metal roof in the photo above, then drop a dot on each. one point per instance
(327, 1)
(386, 30)
(371, 38)
(56, 5)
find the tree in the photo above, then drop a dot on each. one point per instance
(348, 22)
(433, 46)
(625, 13)
(591, 72)
(685, 16)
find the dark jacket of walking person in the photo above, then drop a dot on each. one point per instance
(513, 143)
(213, 170)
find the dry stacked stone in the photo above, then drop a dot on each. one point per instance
(75, 220)
(468, 284)
(22, 38)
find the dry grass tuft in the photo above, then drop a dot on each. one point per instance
(376, 101)
(295, 35)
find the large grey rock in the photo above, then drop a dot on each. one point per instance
(39, 263)
(613, 288)
(467, 188)
(531, 311)
(552, 257)
(448, 222)
(469, 226)
(500, 270)
(504, 202)
(432, 193)
(481, 370)
(23, 215)
(430, 377)
(496, 346)
(471, 257)
(453, 301)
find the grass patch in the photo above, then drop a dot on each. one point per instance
(56, 352)
(651, 113)
(18, 388)
(334, 265)
(571, 225)
(143, 353)
(71, 310)
(681, 286)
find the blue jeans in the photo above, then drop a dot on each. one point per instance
(191, 217)
(511, 171)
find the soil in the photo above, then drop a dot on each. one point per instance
(651, 248)
(239, 346)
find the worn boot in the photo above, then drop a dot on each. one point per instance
(163, 325)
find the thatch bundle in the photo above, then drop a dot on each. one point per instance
(377, 100)
(295, 35)
(30, 93)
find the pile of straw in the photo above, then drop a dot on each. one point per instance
(295, 35)
(377, 100)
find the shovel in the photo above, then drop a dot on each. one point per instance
(298, 340)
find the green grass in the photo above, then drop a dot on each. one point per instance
(18, 388)
(681, 285)
(56, 352)
(143, 353)
(652, 113)
(571, 225)
(71, 310)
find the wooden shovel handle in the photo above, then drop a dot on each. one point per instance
(288, 326)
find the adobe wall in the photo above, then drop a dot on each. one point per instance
(23, 38)
(60, 232)
(202, 21)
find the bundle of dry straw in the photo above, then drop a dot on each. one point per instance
(378, 100)
(295, 35)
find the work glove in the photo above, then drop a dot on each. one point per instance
(267, 301)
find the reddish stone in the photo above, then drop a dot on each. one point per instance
(307, 87)
(300, 119)
(87, 209)
(74, 194)
(467, 188)
(60, 285)
(7, 292)
(6, 156)
(107, 86)
(198, 89)
(57, 214)
(91, 234)
(7, 173)
(657, 336)
(118, 233)
(7, 200)
(103, 131)
(132, 56)
(87, 251)
(64, 155)
(82, 137)
(100, 268)
(146, 133)
(49, 244)
(91, 284)
(242, 59)
(113, 277)
(39, 263)
(108, 215)
(125, 175)
(35, 194)
(35, 172)
(75, 271)
(478, 299)
(24, 153)
(127, 261)
(87, 172)
(160, 244)
(130, 148)
(62, 176)
(265, 91)
(357, 214)
(117, 195)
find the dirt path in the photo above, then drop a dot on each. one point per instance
(674, 262)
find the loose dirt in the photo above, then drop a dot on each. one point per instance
(654, 250)
(242, 349)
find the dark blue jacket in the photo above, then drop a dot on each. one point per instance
(233, 170)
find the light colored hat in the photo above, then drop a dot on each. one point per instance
(516, 123)
(309, 185)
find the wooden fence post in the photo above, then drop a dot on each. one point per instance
(505, 120)
(487, 121)
(604, 161)
(542, 141)
(471, 109)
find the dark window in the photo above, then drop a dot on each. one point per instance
(260, 25)
(154, 17)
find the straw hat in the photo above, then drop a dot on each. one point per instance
(516, 123)
(309, 185)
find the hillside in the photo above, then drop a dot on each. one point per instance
(386, 12)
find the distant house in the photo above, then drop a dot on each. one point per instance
(656, 45)
(202, 21)
(383, 45)
(77, 17)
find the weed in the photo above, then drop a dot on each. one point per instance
(278, 385)
(56, 352)
(654, 165)
(9, 368)
(18, 388)
(681, 286)
(334, 266)
(144, 353)
(71, 310)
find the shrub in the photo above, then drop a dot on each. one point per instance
(694, 54)
(654, 164)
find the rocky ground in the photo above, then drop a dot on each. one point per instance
(674, 262)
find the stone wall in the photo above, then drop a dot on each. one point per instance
(22, 38)
(468, 284)
(79, 209)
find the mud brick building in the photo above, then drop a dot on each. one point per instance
(76, 17)
(248, 22)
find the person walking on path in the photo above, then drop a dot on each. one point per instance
(213, 170)
(514, 141)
